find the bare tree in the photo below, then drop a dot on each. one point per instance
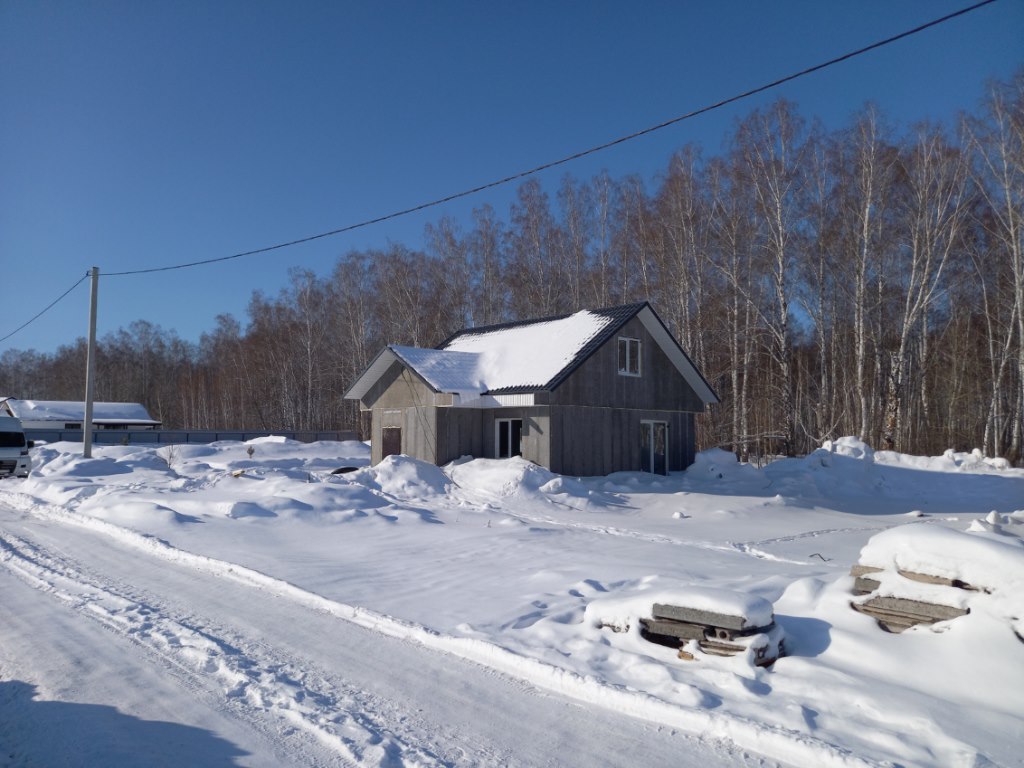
(533, 271)
(771, 144)
(997, 144)
(486, 258)
(934, 210)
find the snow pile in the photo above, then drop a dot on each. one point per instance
(844, 467)
(513, 477)
(1000, 526)
(404, 478)
(991, 570)
(716, 467)
(624, 611)
(949, 554)
(849, 446)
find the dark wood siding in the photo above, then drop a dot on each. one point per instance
(591, 427)
(459, 433)
(597, 441)
(597, 382)
(535, 442)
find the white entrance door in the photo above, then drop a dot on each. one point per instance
(654, 447)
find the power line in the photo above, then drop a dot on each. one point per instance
(575, 155)
(50, 306)
(531, 171)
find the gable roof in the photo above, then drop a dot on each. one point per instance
(525, 356)
(68, 410)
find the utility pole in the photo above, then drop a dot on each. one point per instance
(90, 367)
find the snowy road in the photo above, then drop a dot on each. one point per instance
(252, 674)
(245, 606)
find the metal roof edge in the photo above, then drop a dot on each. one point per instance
(363, 382)
(598, 341)
(377, 368)
(674, 350)
(534, 320)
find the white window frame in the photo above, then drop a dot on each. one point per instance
(654, 424)
(627, 343)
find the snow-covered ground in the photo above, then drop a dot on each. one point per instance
(239, 604)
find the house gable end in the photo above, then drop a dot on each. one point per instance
(597, 382)
(639, 321)
(379, 377)
(399, 386)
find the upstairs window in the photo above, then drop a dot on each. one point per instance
(629, 356)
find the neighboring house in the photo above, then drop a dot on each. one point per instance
(591, 393)
(69, 415)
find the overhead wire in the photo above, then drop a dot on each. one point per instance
(50, 306)
(531, 171)
(573, 156)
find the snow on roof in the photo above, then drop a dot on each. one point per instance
(69, 410)
(522, 356)
(443, 370)
(515, 356)
(527, 355)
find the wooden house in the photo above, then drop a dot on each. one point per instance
(69, 415)
(585, 394)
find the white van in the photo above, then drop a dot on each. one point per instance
(14, 458)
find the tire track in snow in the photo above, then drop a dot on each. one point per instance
(770, 740)
(253, 682)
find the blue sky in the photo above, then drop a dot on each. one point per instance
(144, 134)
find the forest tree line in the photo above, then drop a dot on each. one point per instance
(863, 281)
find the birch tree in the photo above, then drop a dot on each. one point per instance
(867, 165)
(997, 144)
(771, 145)
(934, 174)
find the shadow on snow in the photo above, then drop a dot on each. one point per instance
(34, 732)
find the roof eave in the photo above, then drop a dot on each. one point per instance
(599, 341)
(377, 368)
(656, 327)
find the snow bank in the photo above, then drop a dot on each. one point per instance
(404, 477)
(949, 461)
(849, 446)
(849, 472)
(717, 467)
